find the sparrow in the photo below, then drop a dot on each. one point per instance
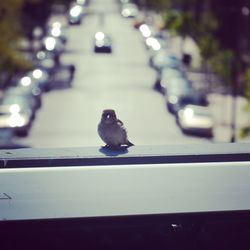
(112, 131)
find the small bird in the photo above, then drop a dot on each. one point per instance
(112, 131)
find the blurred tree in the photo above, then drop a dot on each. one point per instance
(223, 63)
(182, 23)
(11, 58)
(17, 20)
(35, 13)
(157, 5)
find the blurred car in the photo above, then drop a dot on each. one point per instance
(102, 43)
(15, 118)
(76, 13)
(166, 75)
(82, 2)
(53, 45)
(28, 88)
(58, 31)
(177, 89)
(62, 77)
(129, 10)
(25, 100)
(164, 58)
(51, 71)
(197, 97)
(45, 60)
(138, 22)
(153, 43)
(147, 30)
(197, 120)
(40, 78)
(125, 1)
(7, 139)
(191, 97)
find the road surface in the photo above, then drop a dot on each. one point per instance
(122, 81)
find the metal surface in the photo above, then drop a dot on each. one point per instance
(94, 191)
(92, 156)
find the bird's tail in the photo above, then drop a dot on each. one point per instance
(129, 143)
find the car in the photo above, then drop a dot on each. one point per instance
(8, 140)
(45, 60)
(27, 87)
(62, 77)
(196, 120)
(40, 78)
(197, 97)
(166, 75)
(164, 58)
(53, 45)
(147, 30)
(176, 90)
(192, 97)
(48, 71)
(15, 118)
(129, 10)
(76, 13)
(57, 30)
(82, 2)
(102, 43)
(17, 96)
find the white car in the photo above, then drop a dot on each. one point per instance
(129, 10)
(195, 119)
(12, 117)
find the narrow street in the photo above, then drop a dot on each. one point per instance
(122, 81)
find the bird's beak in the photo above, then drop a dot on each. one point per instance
(108, 116)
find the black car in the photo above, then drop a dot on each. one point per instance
(102, 43)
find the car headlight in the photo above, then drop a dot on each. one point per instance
(16, 120)
(14, 108)
(188, 113)
(173, 99)
(50, 43)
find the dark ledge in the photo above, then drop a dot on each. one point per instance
(55, 157)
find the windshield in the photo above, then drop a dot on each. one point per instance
(79, 61)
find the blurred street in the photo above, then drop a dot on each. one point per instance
(121, 80)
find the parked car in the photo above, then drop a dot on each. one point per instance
(27, 87)
(52, 70)
(125, 1)
(45, 60)
(25, 101)
(8, 140)
(176, 90)
(198, 97)
(163, 59)
(53, 44)
(147, 30)
(197, 120)
(102, 43)
(62, 77)
(40, 78)
(15, 118)
(58, 31)
(76, 13)
(166, 75)
(129, 10)
(82, 2)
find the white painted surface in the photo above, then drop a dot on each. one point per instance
(123, 190)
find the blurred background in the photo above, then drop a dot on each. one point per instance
(175, 71)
